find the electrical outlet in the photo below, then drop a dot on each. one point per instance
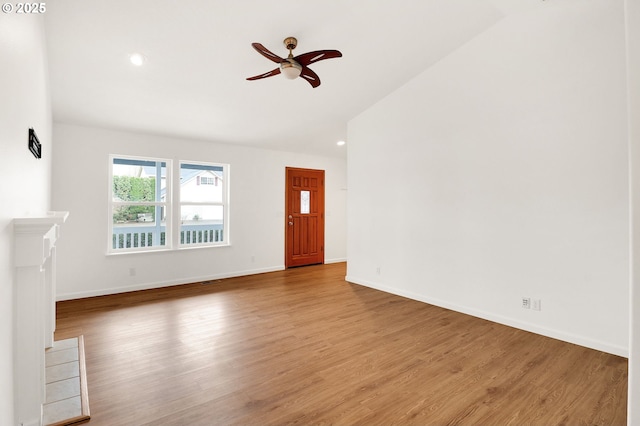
(536, 304)
(526, 303)
(378, 270)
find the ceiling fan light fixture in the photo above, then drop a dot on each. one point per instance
(290, 69)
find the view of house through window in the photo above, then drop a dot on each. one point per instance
(202, 203)
(143, 216)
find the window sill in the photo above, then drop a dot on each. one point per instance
(167, 250)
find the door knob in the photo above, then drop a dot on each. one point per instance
(290, 223)
(290, 217)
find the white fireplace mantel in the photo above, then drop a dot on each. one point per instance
(34, 321)
(35, 237)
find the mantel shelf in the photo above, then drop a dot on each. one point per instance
(24, 224)
(35, 236)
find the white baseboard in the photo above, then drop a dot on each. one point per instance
(337, 260)
(511, 322)
(160, 284)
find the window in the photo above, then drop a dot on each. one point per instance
(146, 214)
(204, 180)
(203, 206)
(138, 203)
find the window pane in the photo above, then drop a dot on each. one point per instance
(139, 204)
(201, 183)
(135, 180)
(305, 199)
(201, 224)
(201, 215)
(134, 213)
(135, 227)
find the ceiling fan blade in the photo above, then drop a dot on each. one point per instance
(265, 75)
(267, 53)
(310, 76)
(317, 55)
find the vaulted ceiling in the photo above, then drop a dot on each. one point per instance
(198, 55)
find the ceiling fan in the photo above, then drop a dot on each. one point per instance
(292, 67)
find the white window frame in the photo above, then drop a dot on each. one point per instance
(162, 204)
(172, 206)
(224, 203)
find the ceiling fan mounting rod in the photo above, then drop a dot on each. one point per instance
(290, 43)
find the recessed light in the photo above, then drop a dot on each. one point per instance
(340, 143)
(137, 59)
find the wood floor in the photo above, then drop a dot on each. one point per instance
(303, 346)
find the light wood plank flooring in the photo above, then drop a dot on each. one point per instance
(303, 346)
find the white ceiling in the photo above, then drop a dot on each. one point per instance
(199, 54)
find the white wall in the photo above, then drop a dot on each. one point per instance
(633, 75)
(501, 172)
(25, 181)
(80, 185)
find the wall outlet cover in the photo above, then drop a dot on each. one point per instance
(536, 304)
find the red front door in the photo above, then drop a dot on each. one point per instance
(304, 217)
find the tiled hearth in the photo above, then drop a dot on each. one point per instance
(66, 391)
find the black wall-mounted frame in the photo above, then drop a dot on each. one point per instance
(34, 144)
